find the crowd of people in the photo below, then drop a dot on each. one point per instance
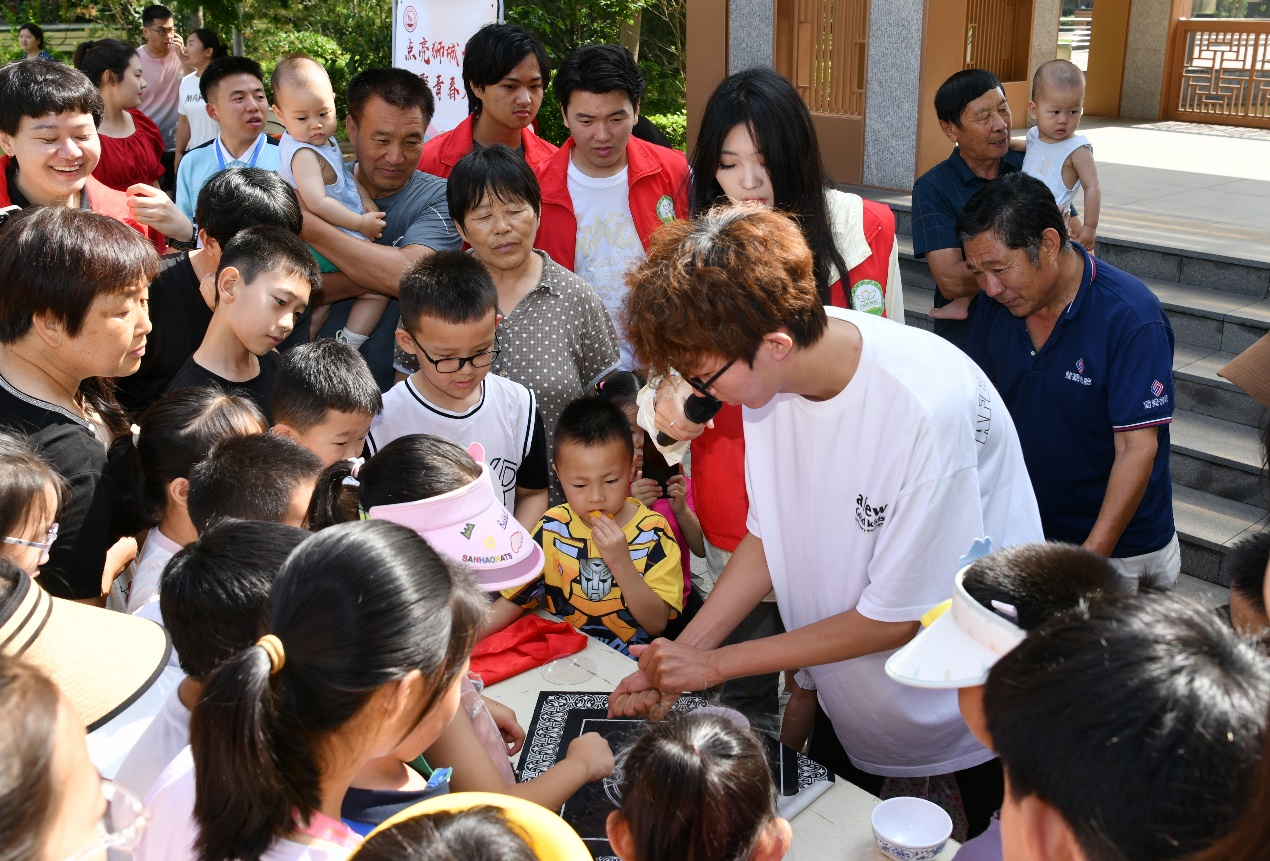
(279, 448)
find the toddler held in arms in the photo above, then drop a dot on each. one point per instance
(309, 159)
(1055, 154)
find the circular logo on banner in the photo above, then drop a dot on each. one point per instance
(666, 209)
(867, 296)
(412, 19)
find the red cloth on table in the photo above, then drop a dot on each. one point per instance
(529, 642)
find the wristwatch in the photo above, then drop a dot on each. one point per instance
(186, 244)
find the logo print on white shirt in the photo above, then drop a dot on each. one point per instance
(869, 517)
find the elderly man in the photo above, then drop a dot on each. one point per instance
(875, 455)
(388, 110)
(1082, 354)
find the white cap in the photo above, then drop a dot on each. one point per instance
(957, 649)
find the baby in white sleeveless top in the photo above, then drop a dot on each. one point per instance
(1055, 155)
(310, 160)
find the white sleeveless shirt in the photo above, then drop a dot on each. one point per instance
(344, 189)
(1045, 162)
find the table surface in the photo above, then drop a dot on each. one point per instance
(835, 826)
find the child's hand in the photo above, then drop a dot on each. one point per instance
(677, 490)
(957, 309)
(646, 490)
(372, 225)
(508, 727)
(1085, 236)
(592, 751)
(610, 540)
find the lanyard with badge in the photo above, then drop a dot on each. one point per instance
(255, 153)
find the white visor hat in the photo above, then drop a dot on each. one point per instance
(957, 649)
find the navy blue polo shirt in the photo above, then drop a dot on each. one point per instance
(938, 198)
(1106, 367)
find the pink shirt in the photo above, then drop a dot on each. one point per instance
(662, 507)
(161, 98)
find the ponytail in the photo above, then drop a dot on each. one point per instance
(105, 55)
(408, 469)
(173, 436)
(355, 607)
(675, 775)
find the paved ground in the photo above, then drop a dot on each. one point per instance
(1199, 187)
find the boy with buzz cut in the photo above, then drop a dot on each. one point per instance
(449, 322)
(325, 399)
(262, 476)
(611, 565)
(262, 289)
(215, 601)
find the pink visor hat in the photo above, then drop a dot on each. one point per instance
(471, 525)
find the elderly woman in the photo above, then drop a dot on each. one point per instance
(73, 311)
(49, 116)
(556, 337)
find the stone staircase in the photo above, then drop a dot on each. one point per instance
(1218, 306)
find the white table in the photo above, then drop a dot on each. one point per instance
(834, 828)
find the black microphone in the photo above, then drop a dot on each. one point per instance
(698, 409)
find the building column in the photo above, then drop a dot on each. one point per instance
(891, 98)
(1145, 49)
(751, 25)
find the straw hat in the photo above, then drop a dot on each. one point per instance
(101, 661)
(1250, 370)
(547, 834)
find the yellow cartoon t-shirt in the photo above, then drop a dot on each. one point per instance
(578, 586)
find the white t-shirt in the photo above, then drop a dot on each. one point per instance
(154, 558)
(867, 501)
(502, 422)
(109, 745)
(170, 834)
(607, 244)
(167, 735)
(191, 106)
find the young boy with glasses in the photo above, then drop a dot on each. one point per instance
(449, 322)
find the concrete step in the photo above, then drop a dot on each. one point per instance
(1200, 390)
(1216, 456)
(1206, 527)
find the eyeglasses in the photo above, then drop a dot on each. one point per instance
(121, 826)
(454, 364)
(42, 546)
(704, 388)
(163, 31)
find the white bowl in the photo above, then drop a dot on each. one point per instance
(911, 829)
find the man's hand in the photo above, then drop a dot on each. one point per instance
(153, 208)
(669, 413)
(635, 696)
(508, 727)
(676, 667)
(646, 490)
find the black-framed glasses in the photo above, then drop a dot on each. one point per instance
(163, 31)
(454, 364)
(704, 388)
(42, 546)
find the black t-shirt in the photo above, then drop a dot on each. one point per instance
(534, 473)
(259, 388)
(180, 318)
(71, 444)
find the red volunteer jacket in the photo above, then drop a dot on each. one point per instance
(658, 181)
(718, 456)
(101, 199)
(443, 152)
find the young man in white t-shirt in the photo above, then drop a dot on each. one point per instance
(449, 322)
(604, 192)
(875, 455)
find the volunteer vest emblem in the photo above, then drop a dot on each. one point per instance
(867, 296)
(665, 209)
